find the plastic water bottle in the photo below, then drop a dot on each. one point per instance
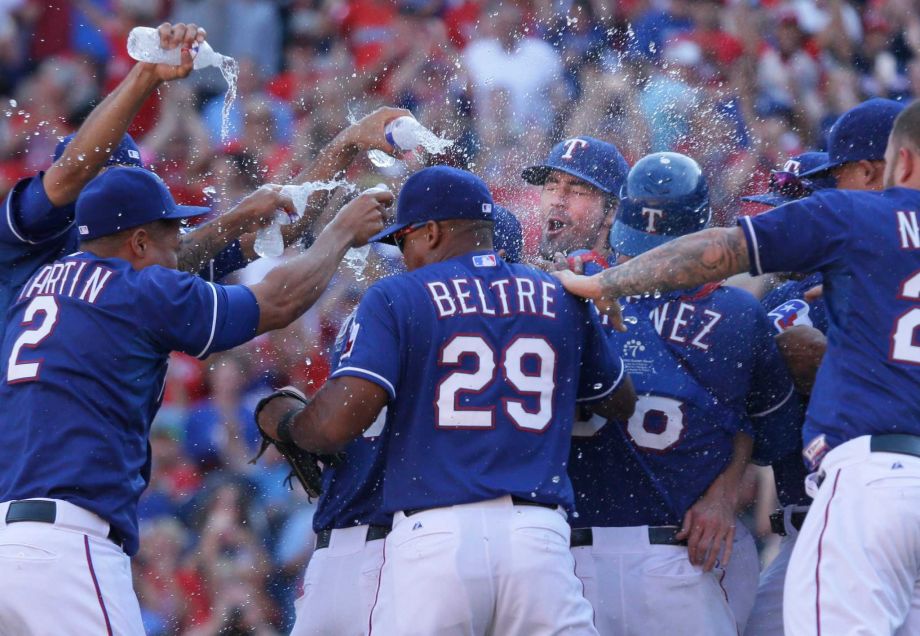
(356, 257)
(269, 241)
(406, 133)
(144, 46)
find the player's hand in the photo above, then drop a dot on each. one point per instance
(814, 293)
(590, 287)
(258, 209)
(368, 132)
(709, 528)
(181, 36)
(363, 216)
(802, 348)
(272, 413)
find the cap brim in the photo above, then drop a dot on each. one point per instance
(820, 171)
(386, 235)
(773, 200)
(187, 212)
(632, 242)
(536, 175)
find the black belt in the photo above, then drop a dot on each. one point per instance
(517, 501)
(373, 533)
(895, 443)
(657, 535)
(41, 511)
(778, 524)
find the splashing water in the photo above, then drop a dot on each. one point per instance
(380, 159)
(269, 240)
(230, 69)
(300, 194)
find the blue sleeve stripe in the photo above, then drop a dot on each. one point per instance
(213, 322)
(776, 406)
(367, 375)
(9, 220)
(753, 249)
(613, 386)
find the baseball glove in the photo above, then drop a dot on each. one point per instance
(307, 467)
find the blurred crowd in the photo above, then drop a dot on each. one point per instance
(737, 84)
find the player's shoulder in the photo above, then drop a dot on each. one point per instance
(734, 300)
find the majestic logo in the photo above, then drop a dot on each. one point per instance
(652, 215)
(83, 229)
(632, 348)
(790, 313)
(792, 166)
(572, 145)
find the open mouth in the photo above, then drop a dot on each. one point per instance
(555, 226)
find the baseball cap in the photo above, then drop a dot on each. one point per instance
(439, 193)
(507, 234)
(592, 160)
(125, 197)
(859, 134)
(126, 153)
(788, 184)
(666, 196)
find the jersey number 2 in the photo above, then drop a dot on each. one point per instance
(903, 348)
(540, 384)
(30, 338)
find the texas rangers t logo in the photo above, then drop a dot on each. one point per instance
(652, 215)
(571, 145)
(792, 166)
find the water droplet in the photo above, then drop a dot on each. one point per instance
(13, 103)
(556, 479)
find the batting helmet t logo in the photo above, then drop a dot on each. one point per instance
(571, 145)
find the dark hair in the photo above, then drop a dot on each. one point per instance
(157, 228)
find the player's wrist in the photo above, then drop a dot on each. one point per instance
(283, 431)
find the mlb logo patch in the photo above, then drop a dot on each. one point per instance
(83, 229)
(485, 260)
(815, 452)
(134, 154)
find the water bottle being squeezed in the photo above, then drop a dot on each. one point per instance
(405, 134)
(355, 258)
(269, 240)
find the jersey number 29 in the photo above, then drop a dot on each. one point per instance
(540, 384)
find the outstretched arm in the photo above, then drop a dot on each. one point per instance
(687, 262)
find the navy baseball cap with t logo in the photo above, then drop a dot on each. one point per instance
(126, 153)
(122, 198)
(592, 160)
(439, 193)
(859, 134)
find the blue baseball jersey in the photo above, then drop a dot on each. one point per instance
(786, 307)
(85, 355)
(33, 232)
(483, 362)
(705, 367)
(867, 247)
(353, 489)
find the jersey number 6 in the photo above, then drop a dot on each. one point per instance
(30, 338)
(539, 383)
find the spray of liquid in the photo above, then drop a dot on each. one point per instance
(230, 69)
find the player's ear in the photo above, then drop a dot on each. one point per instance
(907, 164)
(139, 242)
(434, 233)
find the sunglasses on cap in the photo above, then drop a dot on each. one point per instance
(789, 184)
(399, 238)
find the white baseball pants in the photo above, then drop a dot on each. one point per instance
(487, 568)
(855, 568)
(638, 589)
(340, 585)
(64, 578)
(741, 575)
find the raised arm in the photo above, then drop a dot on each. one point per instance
(290, 289)
(690, 261)
(106, 125)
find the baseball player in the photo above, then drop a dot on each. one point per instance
(854, 562)
(479, 364)
(656, 495)
(85, 359)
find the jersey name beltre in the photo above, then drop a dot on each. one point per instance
(503, 297)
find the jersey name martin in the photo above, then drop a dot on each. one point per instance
(71, 278)
(499, 298)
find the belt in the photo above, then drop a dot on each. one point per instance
(42, 511)
(896, 443)
(778, 524)
(657, 535)
(516, 501)
(373, 534)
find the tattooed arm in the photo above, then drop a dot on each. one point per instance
(684, 263)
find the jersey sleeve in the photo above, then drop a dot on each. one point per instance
(801, 236)
(773, 406)
(602, 371)
(227, 261)
(369, 347)
(29, 217)
(184, 313)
